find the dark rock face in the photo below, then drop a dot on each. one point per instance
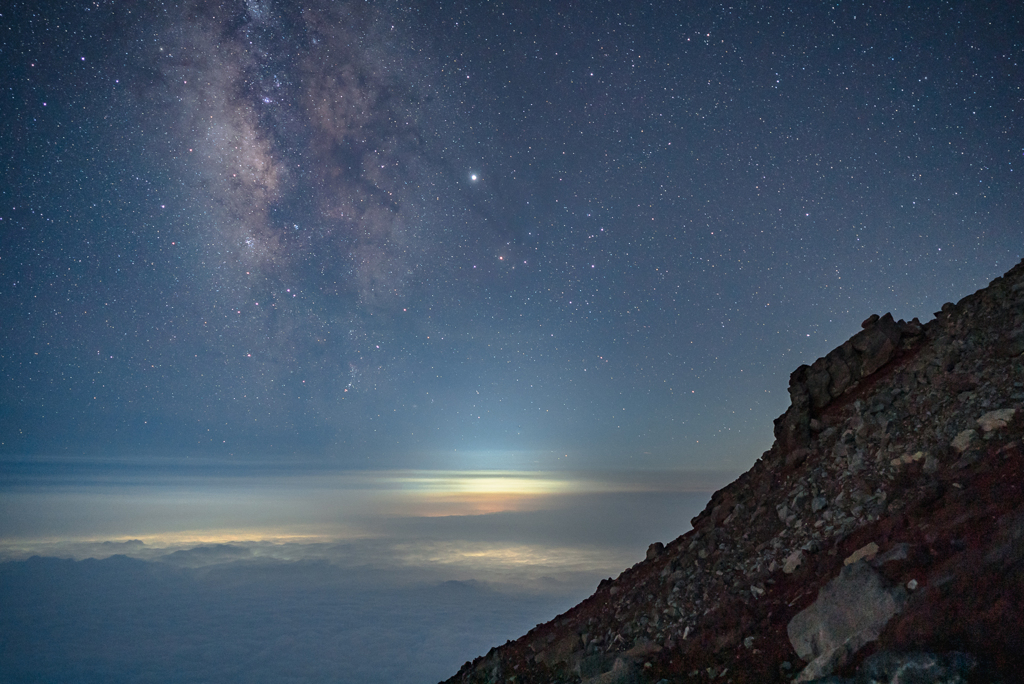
(880, 539)
(812, 388)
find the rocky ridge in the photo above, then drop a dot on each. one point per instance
(880, 538)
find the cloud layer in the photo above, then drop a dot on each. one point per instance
(127, 620)
(407, 596)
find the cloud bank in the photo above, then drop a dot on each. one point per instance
(380, 588)
(127, 620)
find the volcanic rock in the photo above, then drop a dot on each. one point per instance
(850, 611)
(995, 420)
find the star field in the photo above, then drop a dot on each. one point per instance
(495, 235)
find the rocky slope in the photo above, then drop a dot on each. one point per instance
(880, 538)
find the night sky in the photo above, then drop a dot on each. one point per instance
(498, 235)
(342, 341)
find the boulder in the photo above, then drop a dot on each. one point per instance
(867, 552)
(850, 611)
(876, 343)
(794, 561)
(655, 550)
(964, 441)
(995, 420)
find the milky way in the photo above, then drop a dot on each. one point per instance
(303, 139)
(300, 134)
(307, 141)
(488, 235)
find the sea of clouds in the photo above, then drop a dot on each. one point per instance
(406, 597)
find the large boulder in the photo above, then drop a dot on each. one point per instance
(850, 611)
(875, 344)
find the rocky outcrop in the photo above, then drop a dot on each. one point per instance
(887, 518)
(812, 388)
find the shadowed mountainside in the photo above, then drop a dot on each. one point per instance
(882, 535)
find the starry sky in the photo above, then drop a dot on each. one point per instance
(354, 338)
(479, 235)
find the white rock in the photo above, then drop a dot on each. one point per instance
(866, 552)
(794, 561)
(994, 420)
(963, 441)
